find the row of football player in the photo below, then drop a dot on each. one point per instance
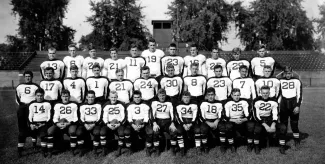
(157, 61)
(182, 121)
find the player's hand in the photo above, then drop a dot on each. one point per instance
(41, 124)
(185, 127)
(210, 124)
(272, 128)
(296, 110)
(189, 126)
(89, 126)
(32, 126)
(216, 122)
(135, 127)
(110, 126)
(60, 125)
(155, 127)
(172, 127)
(267, 128)
(117, 125)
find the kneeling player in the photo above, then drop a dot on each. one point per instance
(211, 111)
(65, 121)
(90, 114)
(237, 114)
(163, 120)
(114, 119)
(266, 114)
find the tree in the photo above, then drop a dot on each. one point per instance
(116, 23)
(40, 22)
(201, 21)
(281, 25)
(321, 27)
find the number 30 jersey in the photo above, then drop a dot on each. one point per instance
(172, 85)
(77, 88)
(222, 86)
(90, 112)
(123, 88)
(68, 111)
(114, 111)
(138, 112)
(39, 111)
(236, 109)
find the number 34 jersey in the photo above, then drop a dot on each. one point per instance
(186, 111)
(114, 111)
(68, 111)
(90, 112)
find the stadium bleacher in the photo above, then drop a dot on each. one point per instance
(15, 60)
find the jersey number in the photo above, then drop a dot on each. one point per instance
(236, 66)
(151, 59)
(171, 83)
(237, 107)
(120, 87)
(143, 84)
(111, 67)
(219, 83)
(113, 110)
(268, 83)
(137, 110)
(189, 110)
(194, 61)
(54, 65)
(65, 110)
(133, 62)
(161, 108)
(73, 85)
(212, 109)
(173, 61)
(193, 82)
(90, 65)
(91, 111)
(72, 62)
(265, 106)
(242, 84)
(212, 65)
(27, 90)
(41, 109)
(288, 85)
(49, 86)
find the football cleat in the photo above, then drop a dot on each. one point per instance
(118, 151)
(182, 152)
(223, 149)
(282, 150)
(198, 151)
(173, 150)
(148, 152)
(250, 147)
(297, 142)
(257, 149)
(233, 149)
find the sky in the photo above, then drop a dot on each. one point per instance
(78, 10)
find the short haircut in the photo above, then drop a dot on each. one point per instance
(172, 45)
(96, 65)
(40, 90)
(287, 69)
(49, 69)
(51, 49)
(243, 67)
(161, 91)
(91, 47)
(261, 46)
(119, 70)
(113, 49)
(145, 68)
(170, 65)
(217, 67)
(74, 67)
(91, 92)
(133, 45)
(193, 45)
(28, 73)
(234, 90)
(186, 93)
(113, 93)
(152, 40)
(194, 65)
(64, 91)
(72, 46)
(236, 50)
(265, 87)
(267, 67)
(137, 92)
(215, 48)
(210, 89)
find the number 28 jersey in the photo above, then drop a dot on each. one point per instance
(233, 67)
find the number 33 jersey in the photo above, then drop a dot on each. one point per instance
(90, 112)
(68, 111)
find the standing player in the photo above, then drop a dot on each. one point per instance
(56, 64)
(266, 115)
(114, 119)
(99, 84)
(234, 64)
(89, 62)
(123, 87)
(245, 84)
(73, 59)
(221, 84)
(146, 85)
(214, 61)
(153, 58)
(51, 86)
(112, 64)
(291, 98)
(195, 84)
(90, 115)
(39, 116)
(76, 85)
(25, 93)
(268, 80)
(193, 58)
(65, 122)
(176, 60)
(133, 64)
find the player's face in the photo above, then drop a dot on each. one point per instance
(288, 75)
(91, 98)
(74, 73)
(194, 70)
(137, 98)
(113, 98)
(265, 93)
(65, 98)
(172, 51)
(214, 54)
(267, 72)
(186, 99)
(243, 72)
(162, 97)
(39, 97)
(92, 53)
(145, 74)
(236, 56)
(170, 72)
(152, 46)
(210, 96)
(96, 71)
(235, 96)
(218, 72)
(134, 52)
(119, 76)
(261, 52)
(72, 51)
(113, 55)
(193, 51)
(49, 74)
(28, 78)
(51, 54)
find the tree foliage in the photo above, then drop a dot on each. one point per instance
(40, 21)
(203, 22)
(116, 23)
(281, 25)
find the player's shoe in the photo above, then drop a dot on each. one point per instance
(297, 142)
(73, 151)
(223, 149)
(156, 151)
(82, 152)
(198, 151)
(44, 152)
(282, 149)
(257, 149)
(19, 152)
(182, 150)
(250, 147)
(95, 150)
(128, 152)
(148, 152)
(118, 151)
(233, 149)
(173, 150)
(206, 150)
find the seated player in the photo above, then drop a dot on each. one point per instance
(138, 116)
(56, 64)
(195, 84)
(90, 117)
(134, 63)
(51, 86)
(194, 57)
(234, 64)
(65, 121)
(75, 85)
(114, 118)
(98, 84)
(123, 87)
(221, 84)
(175, 60)
(245, 84)
(153, 58)
(214, 61)
(163, 121)
(237, 116)
(39, 121)
(73, 60)
(211, 113)
(187, 125)
(266, 115)
(90, 61)
(112, 64)
(146, 85)
(267, 80)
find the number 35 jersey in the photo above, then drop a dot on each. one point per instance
(138, 112)
(114, 111)
(237, 109)
(68, 111)
(90, 112)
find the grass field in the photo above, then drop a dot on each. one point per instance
(311, 150)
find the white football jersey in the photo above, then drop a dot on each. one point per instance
(68, 111)
(246, 86)
(88, 64)
(162, 110)
(52, 89)
(39, 111)
(99, 85)
(25, 92)
(77, 88)
(133, 67)
(210, 63)
(273, 83)
(233, 67)
(188, 60)
(114, 111)
(265, 108)
(90, 112)
(172, 85)
(195, 85)
(222, 86)
(123, 88)
(148, 87)
(57, 65)
(237, 109)
(176, 61)
(70, 61)
(211, 110)
(258, 63)
(138, 112)
(110, 67)
(186, 111)
(153, 60)
(291, 88)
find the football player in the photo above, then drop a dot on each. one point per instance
(195, 84)
(114, 118)
(99, 84)
(90, 117)
(268, 80)
(193, 58)
(163, 121)
(123, 87)
(51, 86)
(65, 121)
(146, 85)
(25, 93)
(73, 59)
(75, 85)
(112, 64)
(56, 64)
(266, 115)
(133, 64)
(214, 61)
(153, 58)
(89, 62)
(221, 84)
(291, 99)
(234, 64)
(245, 84)
(237, 116)
(176, 60)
